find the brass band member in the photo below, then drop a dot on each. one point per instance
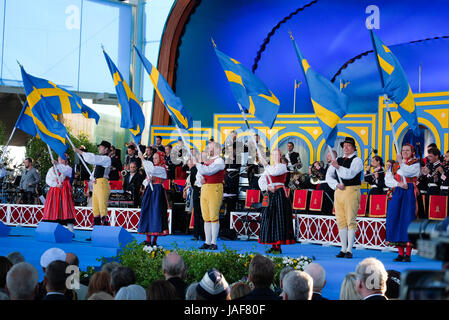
(347, 194)
(376, 178)
(444, 170)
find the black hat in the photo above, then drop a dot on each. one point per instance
(348, 140)
(104, 144)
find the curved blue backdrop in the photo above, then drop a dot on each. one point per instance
(328, 32)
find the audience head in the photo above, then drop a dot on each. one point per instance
(5, 266)
(56, 276)
(122, 277)
(282, 274)
(110, 266)
(318, 275)
(72, 259)
(132, 167)
(131, 292)
(161, 290)
(213, 286)
(101, 296)
(191, 291)
(393, 284)
(22, 281)
(371, 277)
(348, 289)
(298, 285)
(15, 257)
(239, 289)
(261, 271)
(173, 266)
(51, 255)
(100, 281)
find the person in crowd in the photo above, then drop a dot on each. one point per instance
(348, 289)
(239, 290)
(429, 181)
(282, 274)
(162, 290)
(233, 161)
(110, 266)
(132, 156)
(50, 255)
(444, 170)
(15, 257)
(402, 208)
(254, 167)
(213, 173)
(159, 145)
(194, 180)
(131, 292)
(376, 177)
(298, 285)
(318, 274)
(55, 280)
(132, 183)
(99, 282)
(29, 181)
(101, 295)
(294, 161)
(276, 225)
(175, 272)
(100, 176)
(347, 194)
(153, 214)
(5, 266)
(122, 277)
(213, 286)
(22, 282)
(191, 291)
(73, 260)
(59, 206)
(261, 275)
(171, 167)
(116, 164)
(149, 151)
(393, 285)
(372, 278)
(328, 192)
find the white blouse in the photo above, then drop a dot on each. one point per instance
(64, 170)
(272, 170)
(408, 171)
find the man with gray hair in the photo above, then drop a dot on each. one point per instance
(318, 275)
(175, 272)
(298, 285)
(15, 257)
(371, 279)
(21, 281)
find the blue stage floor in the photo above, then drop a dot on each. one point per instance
(22, 239)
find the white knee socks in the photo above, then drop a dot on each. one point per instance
(351, 236)
(208, 232)
(343, 233)
(215, 230)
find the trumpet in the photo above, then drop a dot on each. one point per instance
(373, 173)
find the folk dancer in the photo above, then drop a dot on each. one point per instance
(402, 208)
(347, 194)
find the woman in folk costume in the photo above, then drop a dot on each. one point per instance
(59, 206)
(402, 208)
(276, 224)
(153, 212)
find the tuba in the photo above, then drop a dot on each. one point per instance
(316, 176)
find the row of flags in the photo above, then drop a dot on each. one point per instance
(46, 101)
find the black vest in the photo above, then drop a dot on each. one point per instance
(99, 172)
(346, 163)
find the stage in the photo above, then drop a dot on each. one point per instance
(22, 239)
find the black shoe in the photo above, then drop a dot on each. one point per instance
(194, 239)
(213, 247)
(341, 255)
(147, 243)
(399, 258)
(348, 255)
(205, 246)
(89, 239)
(407, 259)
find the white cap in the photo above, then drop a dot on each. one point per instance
(51, 255)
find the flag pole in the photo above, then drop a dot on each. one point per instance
(294, 97)
(54, 165)
(79, 156)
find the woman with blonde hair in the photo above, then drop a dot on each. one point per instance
(348, 289)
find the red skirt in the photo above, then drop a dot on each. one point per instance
(59, 206)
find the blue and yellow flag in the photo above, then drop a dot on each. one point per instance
(329, 103)
(39, 119)
(132, 116)
(61, 101)
(171, 102)
(249, 91)
(394, 83)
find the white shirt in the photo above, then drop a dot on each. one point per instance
(97, 160)
(272, 170)
(405, 171)
(51, 178)
(211, 169)
(344, 173)
(153, 171)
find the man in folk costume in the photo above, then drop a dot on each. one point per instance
(59, 206)
(213, 172)
(402, 208)
(276, 224)
(347, 194)
(100, 177)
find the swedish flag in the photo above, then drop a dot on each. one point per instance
(165, 93)
(329, 103)
(395, 83)
(60, 101)
(249, 91)
(39, 119)
(132, 115)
